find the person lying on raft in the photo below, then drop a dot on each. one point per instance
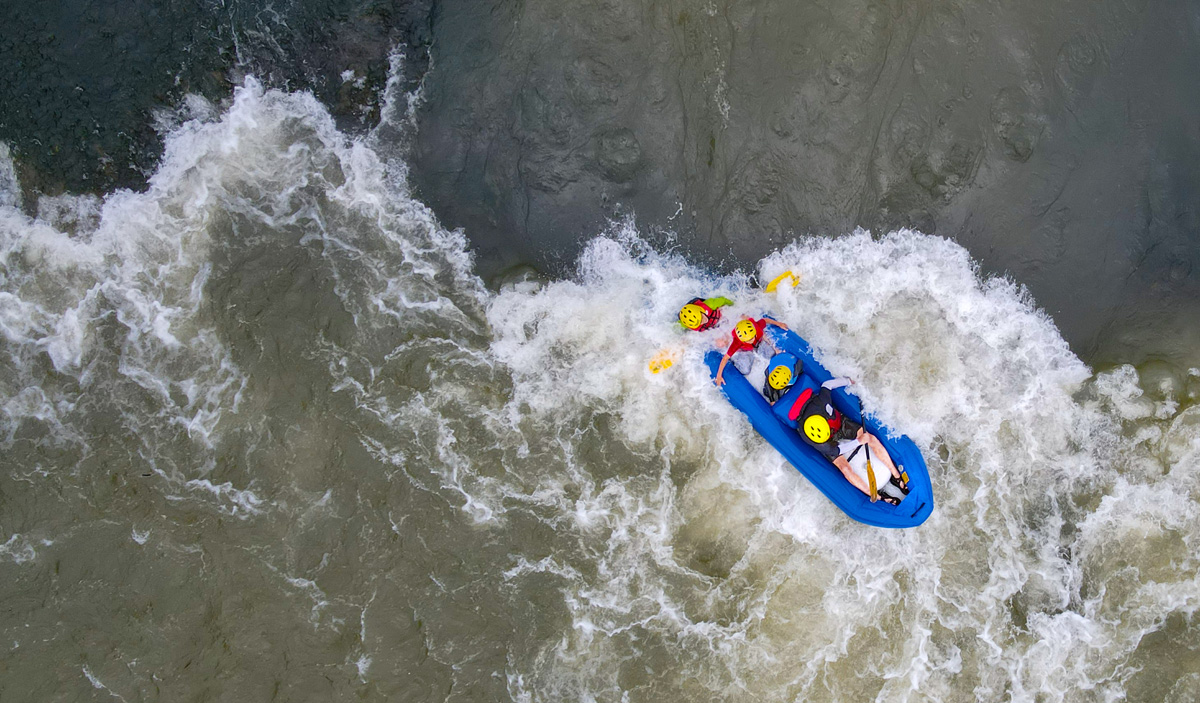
(748, 334)
(858, 454)
(782, 373)
(702, 314)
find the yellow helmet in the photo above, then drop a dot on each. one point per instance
(746, 331)
(780, 377)
(691, 316)
(816, 428)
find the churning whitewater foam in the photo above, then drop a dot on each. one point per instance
(272, 385)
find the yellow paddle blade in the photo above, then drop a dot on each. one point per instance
(871, 481)
(663, 360)
(780, 278)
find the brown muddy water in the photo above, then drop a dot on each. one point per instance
(272, 429)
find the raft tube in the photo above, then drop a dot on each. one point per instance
(774, 425)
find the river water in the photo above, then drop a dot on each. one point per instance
(268, 434)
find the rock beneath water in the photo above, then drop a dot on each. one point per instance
(1016, 122)
(618, 154)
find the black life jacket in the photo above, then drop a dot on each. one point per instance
(809, 404)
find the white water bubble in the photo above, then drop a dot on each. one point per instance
(10, 189)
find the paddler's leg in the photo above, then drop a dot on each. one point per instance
(850, 475)
(859, 465)
(880, 453)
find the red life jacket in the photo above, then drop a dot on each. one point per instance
(714, 316)
(738, 345)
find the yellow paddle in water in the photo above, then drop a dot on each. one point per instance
(780, 278)
(663, 360)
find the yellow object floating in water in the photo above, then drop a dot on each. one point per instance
(663, 360)
(779, 279)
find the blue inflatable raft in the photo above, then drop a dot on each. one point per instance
(774, 425)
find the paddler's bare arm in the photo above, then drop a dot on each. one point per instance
(719, 379)
(778, 324)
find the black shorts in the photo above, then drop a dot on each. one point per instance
(849, 429)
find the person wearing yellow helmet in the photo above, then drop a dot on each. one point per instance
(858, 454)
(748, 333)
(700, 314)
(782, 373)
